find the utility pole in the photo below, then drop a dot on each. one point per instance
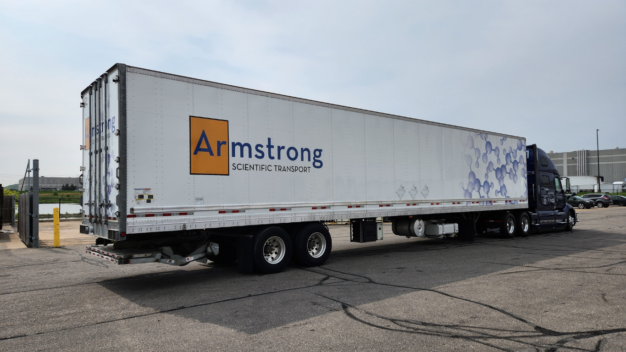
(598, 156)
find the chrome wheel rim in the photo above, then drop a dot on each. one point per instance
(316, 245)
(600, 205)
(570, 220)
(274, 250)
(525, 224)
(510, 226)
(581, 206)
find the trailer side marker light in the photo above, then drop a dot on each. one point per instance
(235, 211)
(283, 209)
(222, 212)
(272, 209)
(131, 216)
(349, 206)
(323, 207)
(380, 206)
(123, 234)
(149, 215)
(314, 208)
(388, 205)
(167, 214)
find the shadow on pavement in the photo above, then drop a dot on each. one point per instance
(255, 303)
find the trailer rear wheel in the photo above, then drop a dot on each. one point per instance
(312, 245)
(272, 250)
(508, 225)
(523, 225)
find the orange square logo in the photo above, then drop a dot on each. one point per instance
(87, 134)
(208, 147)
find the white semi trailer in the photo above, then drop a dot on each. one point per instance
(178, 169)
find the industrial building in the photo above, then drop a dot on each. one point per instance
(585, 163)
(50, 183)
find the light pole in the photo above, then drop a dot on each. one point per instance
(598, 156)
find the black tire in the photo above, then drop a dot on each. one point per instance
(271, 250)
(581, 206)
(523, 225)
(226, 255)
(507, 229)
(312, 245)
(600, 205)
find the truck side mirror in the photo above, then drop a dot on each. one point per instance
(567, 187)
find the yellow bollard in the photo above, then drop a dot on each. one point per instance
(57, 231)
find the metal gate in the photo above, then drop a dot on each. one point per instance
(25, 220)
(8, 210)
(28, 210)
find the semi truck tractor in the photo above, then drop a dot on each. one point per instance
(178, 169)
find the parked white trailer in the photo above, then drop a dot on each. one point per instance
(167, 157)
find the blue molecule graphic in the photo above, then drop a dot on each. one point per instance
(471, 177)
(487, 187)
(485, 158)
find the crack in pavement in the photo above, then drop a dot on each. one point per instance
(171, 310)
(460, 331)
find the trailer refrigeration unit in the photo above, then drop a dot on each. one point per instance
(177, 169)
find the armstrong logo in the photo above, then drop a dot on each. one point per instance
(209, 151)
(209, 146)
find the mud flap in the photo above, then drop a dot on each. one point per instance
(245, 258)
(467, 230)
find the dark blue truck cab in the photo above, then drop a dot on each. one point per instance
(546, 195)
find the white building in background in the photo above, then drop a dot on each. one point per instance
(579, 163)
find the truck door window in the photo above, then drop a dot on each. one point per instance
(557, 184)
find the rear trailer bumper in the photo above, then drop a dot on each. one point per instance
(163, 255)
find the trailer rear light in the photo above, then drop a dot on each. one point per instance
(123, 234)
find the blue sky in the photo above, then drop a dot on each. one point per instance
(550, 71)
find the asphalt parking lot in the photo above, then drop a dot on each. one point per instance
(561, 291)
